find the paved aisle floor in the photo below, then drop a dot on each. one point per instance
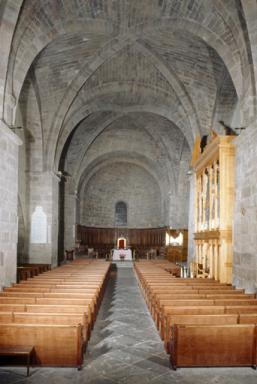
(125, 348)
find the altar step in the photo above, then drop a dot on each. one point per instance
(123, 264)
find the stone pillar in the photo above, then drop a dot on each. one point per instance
(250, 12)
(9, 144)
(245, 213)
(70, 207)
(8, 19)
(43, 217)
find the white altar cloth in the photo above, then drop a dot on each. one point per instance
(118, 253)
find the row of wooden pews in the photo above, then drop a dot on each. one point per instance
(25, 271)
(166, 265)
(201, 321)
(54, 312)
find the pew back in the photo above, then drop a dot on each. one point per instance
(213, 345)
(55, 345)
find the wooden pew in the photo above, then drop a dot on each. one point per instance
(48, 318)
(245, 313)
(60, 295)
(185, 308)
(54, 298)
(49, 308)
(12, 307)
(153, 288)
(6, 317)
(48, 300)
(98, 285)
(60, 308)
(241, 309)
(17, 300)
(18, 351)
(158, 300)
(155, 294)
(54, 306)
(150, 290)
(213, 345)
(43, 300)
(158, 310)
(26, 271)
(205, 319)
(54, 345)
(249, 318)
(215, 302)
(39, 289)
(56, 293)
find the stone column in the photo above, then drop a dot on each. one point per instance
(8, 19)
(245, 213)
(9, 144)
(70, 208)
(43, 217)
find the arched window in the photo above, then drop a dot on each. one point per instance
(121, 214)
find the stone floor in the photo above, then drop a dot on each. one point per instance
(125, 348)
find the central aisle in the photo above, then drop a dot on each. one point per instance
(125, 346)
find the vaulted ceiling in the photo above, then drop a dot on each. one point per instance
(100, 81)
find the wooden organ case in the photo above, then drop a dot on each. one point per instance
(177, 253)
(214, 204)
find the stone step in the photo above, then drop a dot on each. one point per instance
(123, 264)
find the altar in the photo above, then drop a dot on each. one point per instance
(122, 254)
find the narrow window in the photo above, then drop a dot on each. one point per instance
(121, 214)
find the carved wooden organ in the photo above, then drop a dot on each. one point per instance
(214, 203)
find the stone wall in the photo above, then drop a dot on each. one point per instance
(180, 206)
(8, 205)
(122, 182)
(245, 217)
(163, 153)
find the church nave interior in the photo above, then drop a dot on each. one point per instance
(127, 167)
